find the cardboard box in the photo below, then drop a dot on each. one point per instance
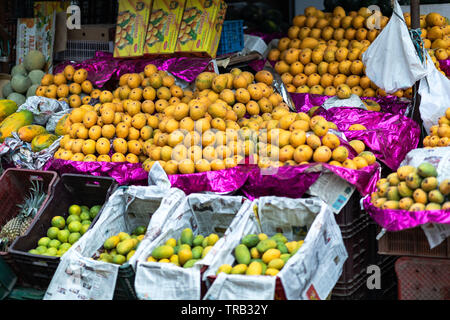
(95, 32)
(201, 27)
(131, 29)
(163, 26)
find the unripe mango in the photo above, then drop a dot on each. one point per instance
(279, 237)
(239, 269)
(224, 268)
(265, 245)
(435, 196)
(198, 240)
(162, 252)
(254, 269)
(392, 193)
(187, 236)
(429, 183)
(433, 206)
(125, 246)
(197, 252)
(426, 169)
(250, 240)
(242, 254)
(393, 179)
(190, 263)
(111, 242)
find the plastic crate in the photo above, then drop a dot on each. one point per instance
(15, 185)
(38, 270)
(423, 278)
(7, 279)
(24, 293)
(353, 291)
(351, 214)
(232, 37)
(80, 50)
(125, 284)
(388, 290)
(357, 244)
(411, 242)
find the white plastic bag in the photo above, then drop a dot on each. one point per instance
(311, 272)
(434, 92)
(204, 214)
(78, 276)
(391, 61)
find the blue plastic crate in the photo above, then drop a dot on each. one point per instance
(232, 37)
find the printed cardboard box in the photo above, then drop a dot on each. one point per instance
(202, 23)
(132, 23)
(163, 26)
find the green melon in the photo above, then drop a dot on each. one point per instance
(34, 60)
(20, 83)
(17, 98)
(32, 90)
(7, 90)
(36, 76)
(18, 69)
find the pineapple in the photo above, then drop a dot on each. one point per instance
(18, 225)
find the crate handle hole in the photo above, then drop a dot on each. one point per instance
(36, 178)
(93, 184)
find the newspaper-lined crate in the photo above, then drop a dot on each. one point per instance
(15, 185)
(37, 270)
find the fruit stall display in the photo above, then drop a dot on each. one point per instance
(219, 133)
(322, 52)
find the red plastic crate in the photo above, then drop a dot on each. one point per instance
(15, 185)
(423, 278)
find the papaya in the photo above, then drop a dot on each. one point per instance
(14, 122)
(7, 108)
(62, 125)
(27, 133)
(242, 254)
(42, 141)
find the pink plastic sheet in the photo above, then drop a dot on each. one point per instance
(124, 173)
(389, 136)
(445, 66)
(103, 67)
(396, 220)
(289, 181)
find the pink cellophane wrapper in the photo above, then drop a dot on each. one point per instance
(124, 173)
(389, 136)
(221, 181)
(103, 67)
(396, 220)
(445, 66)
(294, 181)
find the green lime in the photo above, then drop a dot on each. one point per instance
(33, 251)
(75, 209)
(44, 241)
(58, 222)
(84, 228)
(65, 246)
(75, 226)
(84, 208)
(60, 252)
(54, 244)
(50, 252)
(41, 249)
(63, 235)
(94, 211)
(74, 237)
(72, 218)
(52, 232)
(88, 222)
(140, 230)
(85, 215)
